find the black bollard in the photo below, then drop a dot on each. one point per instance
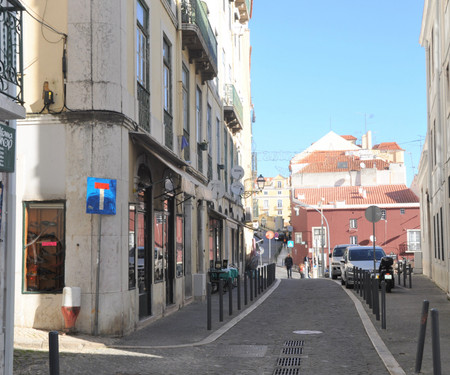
(245, 289)
(208, 306)
(383, 304)
(361, 282)
(251, 285)
(220, 300)
(422, 332)
(435, 344)
(53, 352)
(239, 292)
(256, 283)
(399, 272)
(376, 300)
(404, 274)
(230, 297)
(410, 273)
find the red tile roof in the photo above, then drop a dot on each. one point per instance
(337, 161)
(387, 146)
(354, 195)
(349, 137)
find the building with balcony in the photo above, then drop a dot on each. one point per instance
(125, 165)
(11, 109)
(434, 171)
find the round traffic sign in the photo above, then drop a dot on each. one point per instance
(276, 235)
(270, 235)
(373, 214)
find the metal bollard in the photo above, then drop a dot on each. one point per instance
(376, 301)
(369, 290)
(251, 285)
(245, 289)
(399, 272)
(230, 297)
(404, 274)
(364, 286)
(208, 306)
(435, 344)
(361, 282)
(256, 283)
(383, 304)
(220, 300)
(422, 332)
(239, 292)
(409, 273)
(53, 352)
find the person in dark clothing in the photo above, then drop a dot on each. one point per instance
(288, 262)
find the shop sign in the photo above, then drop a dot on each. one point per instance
(7, 148)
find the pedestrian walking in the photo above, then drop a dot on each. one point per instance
(288, 262)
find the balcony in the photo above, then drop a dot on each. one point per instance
(11, 60)
(244, 7)
(199, 38)
(233, 110)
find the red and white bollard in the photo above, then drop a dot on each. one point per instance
(71, 307)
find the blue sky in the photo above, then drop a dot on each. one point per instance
(336, 65)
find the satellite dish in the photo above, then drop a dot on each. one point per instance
(362, 165)
(217, 188)
(237, 172)
(237, 188)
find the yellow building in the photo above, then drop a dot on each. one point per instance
(137, 112)
(273, 202)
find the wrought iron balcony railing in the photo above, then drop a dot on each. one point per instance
(144, 107)
(199, 38)
(233, 109)
(11, 45)
(168, 130)
(244, 7)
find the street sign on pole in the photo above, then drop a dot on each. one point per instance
(373, 214)
(101, 196)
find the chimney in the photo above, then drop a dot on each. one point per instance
(369, 139)
(364, 142)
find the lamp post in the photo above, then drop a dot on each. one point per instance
(300, 203)
(260, 182)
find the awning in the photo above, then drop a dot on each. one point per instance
(189, 185)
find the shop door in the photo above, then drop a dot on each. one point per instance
(144, 263)
(169, 249)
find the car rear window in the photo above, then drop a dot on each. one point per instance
(338, 251)
(365, 254)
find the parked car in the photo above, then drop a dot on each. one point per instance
(335, 257)
(361, 257)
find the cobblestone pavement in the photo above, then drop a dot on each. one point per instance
(311, 324)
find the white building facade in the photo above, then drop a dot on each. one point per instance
(434, 172)
(137, 113)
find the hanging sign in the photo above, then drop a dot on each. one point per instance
(7, 148)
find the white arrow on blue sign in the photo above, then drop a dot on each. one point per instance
(101, 196)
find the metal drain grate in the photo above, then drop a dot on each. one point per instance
(286, 371)
(288, 362)
(294, 350)
(294, 343)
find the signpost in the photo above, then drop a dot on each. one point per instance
(100, 199)
(373, 214)
(269, 236)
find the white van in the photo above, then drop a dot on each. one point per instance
(335, 258)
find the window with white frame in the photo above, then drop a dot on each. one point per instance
(383, 214)
(279, 203)
(298, 237)
(209, 128)
(279, 184)
(265, 204)
(318, 236)
(353, 223)
(280, 192)
(167, 77)
(413, 240)
(142, 44)
(198, 114)
(354, 240)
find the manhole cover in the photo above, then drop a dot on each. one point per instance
(308, 332)
(288, 350)
(286, 371)
(294, 343)
(288, 362)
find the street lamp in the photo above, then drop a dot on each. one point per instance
(300, 203)
(260, 182)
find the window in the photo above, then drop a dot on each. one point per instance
(160, 244)
(342, 165)
(180, 245)
(402, 211)
(413, 240)
(383, 214)
(353, 223)
(185, 81)
(198, 114)
(167, 77)
(266, 204)
(279, 203)
(44, 247)
(298, 237)
(280, 212)
(354, 240)
(142, 44)
(266, 192)
(218, 140)
(279, 184)
(209, 128)
(279, 192)
(318, 237)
